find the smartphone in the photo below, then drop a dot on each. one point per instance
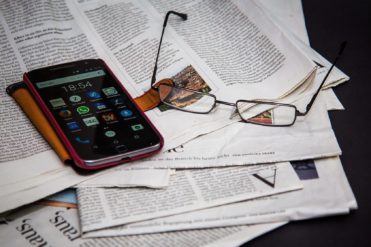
(93, 114)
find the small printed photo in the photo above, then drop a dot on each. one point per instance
(187, 78)
(306, 169)
(263, 118)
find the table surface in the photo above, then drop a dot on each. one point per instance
(328, 24)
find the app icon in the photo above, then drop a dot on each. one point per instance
(137, 127)
(100, 106)
(110, 133)
(82, 109)
(75, 98)
(109, 117)
(57, 102)
(126, 113)
(90, 121)
(65, 113)
(93, 95)
(117, 101)
(73, 126)
(82, 141)
(108, 91)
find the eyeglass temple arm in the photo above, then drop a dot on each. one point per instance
(184, 17)
(309, 106)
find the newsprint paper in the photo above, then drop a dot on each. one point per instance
(243, 144)
(326, 192)
(188, 190)
(52, 226)
(35, 34)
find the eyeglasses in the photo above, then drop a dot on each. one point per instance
(250, 111)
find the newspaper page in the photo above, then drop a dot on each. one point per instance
(38, 34)
(326, 192)
(51, 226)
(93, 14)
(24, 191)
(242, 143)
(49, 35)
(307, 90)
(288, 12)
(296, 37)
(131, 177)
(38, 42)
(188, 190)
(331, 102)
(32, 34)
(118, 178)
(21, 143)
(130, 51)
(289, 16)
(237, 38)
(270, 149)
(52, 34)
(198, 161)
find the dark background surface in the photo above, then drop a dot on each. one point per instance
(328, 24)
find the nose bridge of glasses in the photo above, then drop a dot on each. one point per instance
(225, 103)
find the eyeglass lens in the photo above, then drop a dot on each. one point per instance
(266, 113)
(185, 99)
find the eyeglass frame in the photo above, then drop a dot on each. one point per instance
(216, 101)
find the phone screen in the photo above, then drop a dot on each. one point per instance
(96, 115)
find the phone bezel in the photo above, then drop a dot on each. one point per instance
(102, 162)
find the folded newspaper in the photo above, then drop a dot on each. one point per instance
(51, 226)
(188, 190)
(326, 192)
(70, 30)
(247, 52)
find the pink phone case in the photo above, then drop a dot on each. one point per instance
(77, 160)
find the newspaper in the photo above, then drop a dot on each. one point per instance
(335, 78)
(133, 177)
(118, 178)
(326, 192)
(331, 100)
(313, 205)
(289, 16)
(68, 30)
(79, 29)
(289, 13)
(188, 190)
(241, 144)
(50, 226)
(199, 29)
(19, 189)
(264, 144)
(11, 236)
(123, 51)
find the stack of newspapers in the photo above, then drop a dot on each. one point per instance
(218, 181)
